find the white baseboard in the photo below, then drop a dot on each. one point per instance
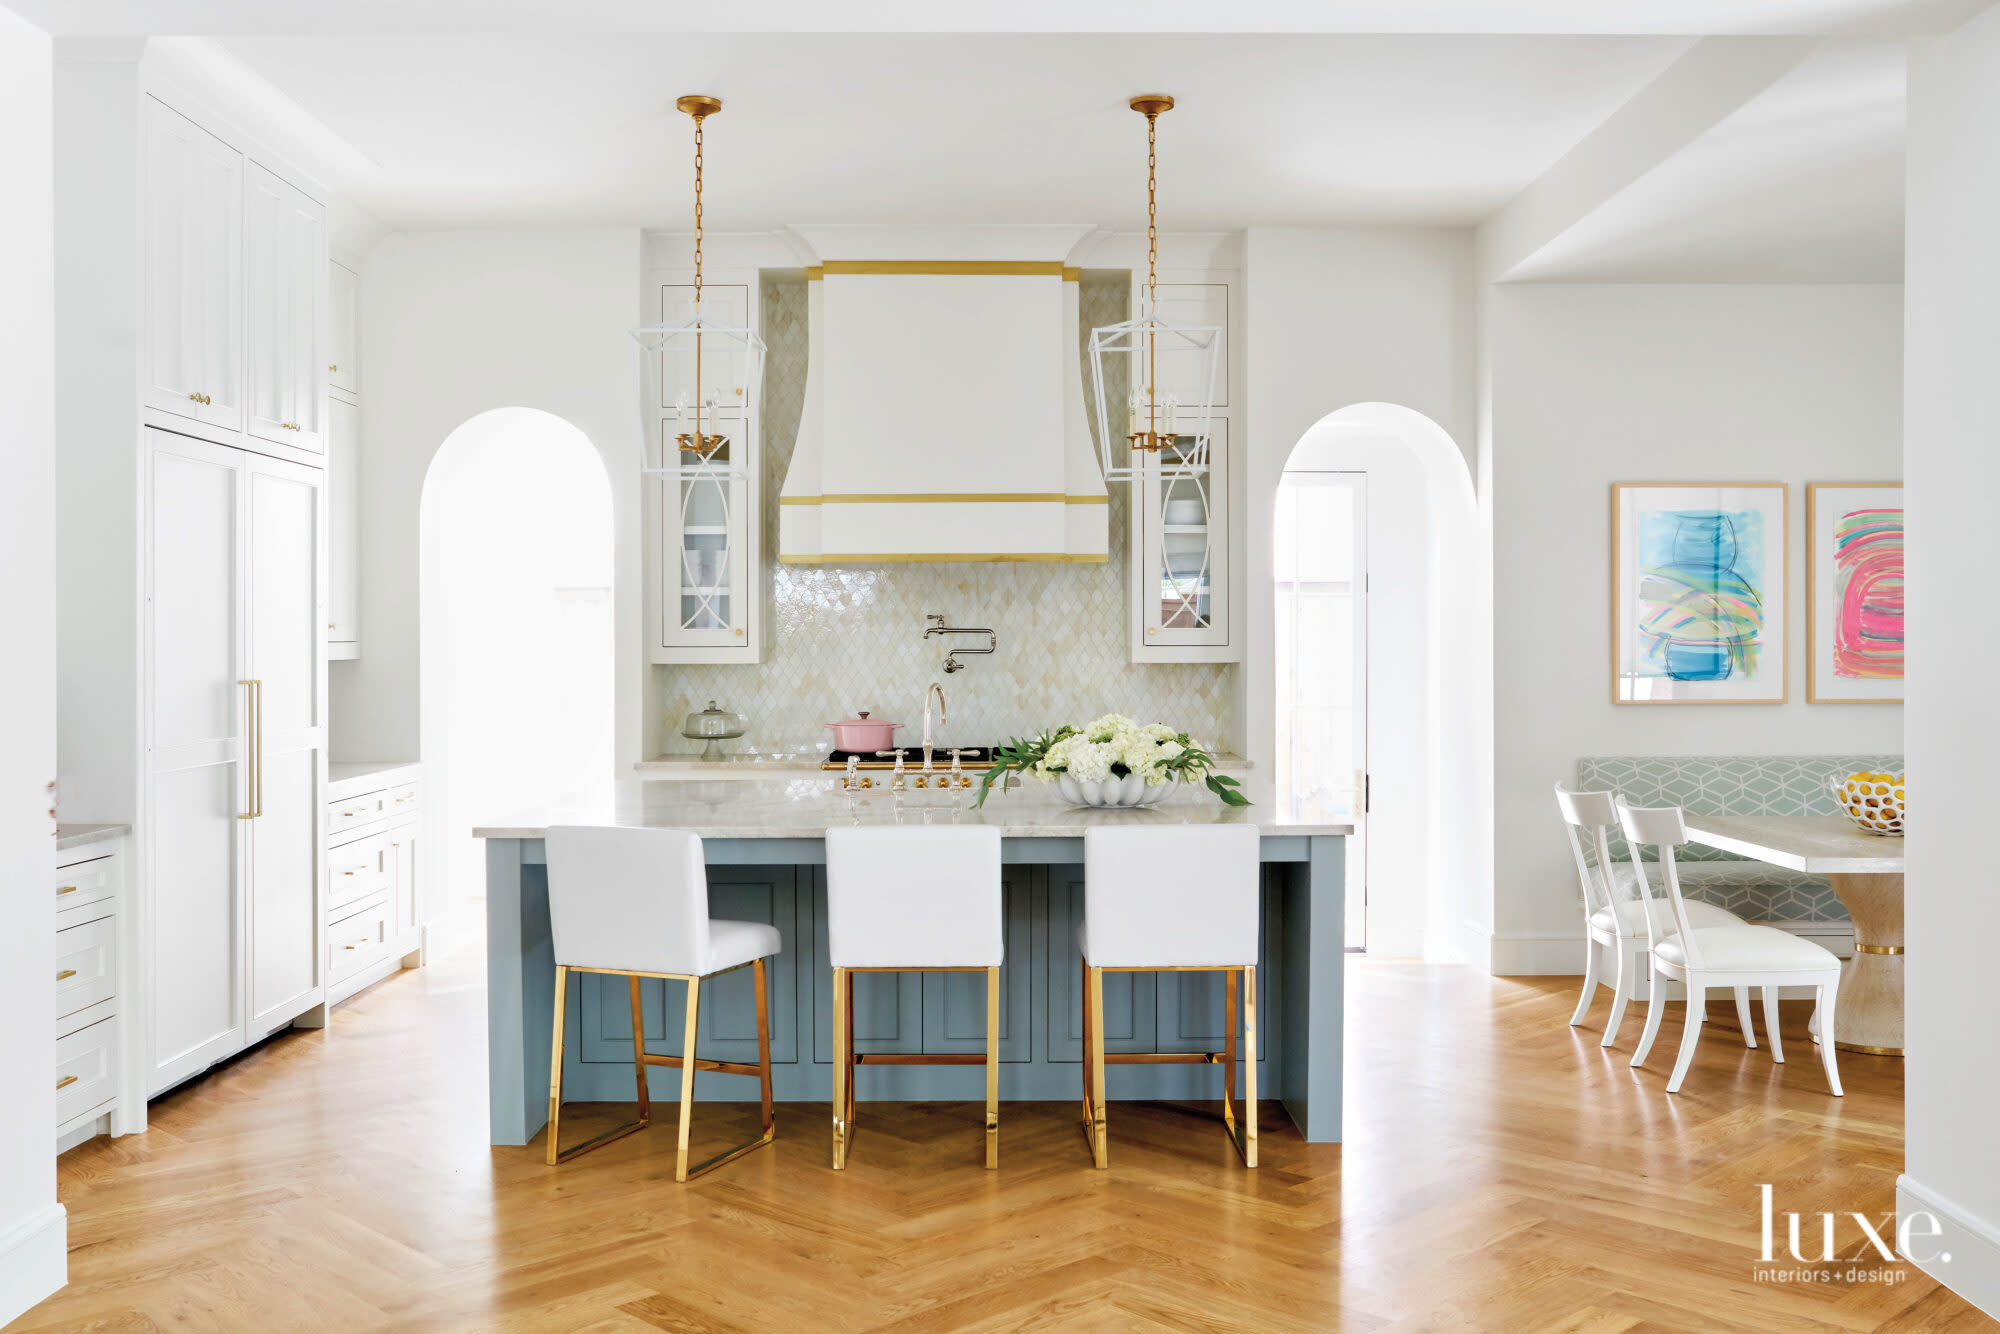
(1562, 954)
(1971, 1242)
(34, 1260)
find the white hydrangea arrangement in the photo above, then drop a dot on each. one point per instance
(1113, 746)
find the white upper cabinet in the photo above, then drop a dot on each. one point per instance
(343, 362)
(193, 244)
(286, 251)
(343, 538)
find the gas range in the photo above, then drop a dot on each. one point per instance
(972, 760)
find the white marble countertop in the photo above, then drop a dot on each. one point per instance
(737, 766)
(348, 778)
(808, 807)
(69, 836)
(1816, 844)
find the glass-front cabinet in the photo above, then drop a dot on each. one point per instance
(706, 488)
(1180, 552)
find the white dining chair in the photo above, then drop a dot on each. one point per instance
(915, 898)
(635, 902)
(1700, 957)
(1612, 909)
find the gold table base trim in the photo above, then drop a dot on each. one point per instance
(1866, 1050)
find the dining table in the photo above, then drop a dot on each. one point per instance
(1866, 872)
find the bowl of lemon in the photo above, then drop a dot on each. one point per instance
(1874, 802)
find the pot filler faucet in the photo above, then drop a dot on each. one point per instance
(934, 625)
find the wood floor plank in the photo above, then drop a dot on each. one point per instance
(1502, 1173)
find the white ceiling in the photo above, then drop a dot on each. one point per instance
(569, 129)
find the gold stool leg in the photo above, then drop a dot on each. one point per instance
(764, 1047)
(992, 1068)
(1100, 1149)
(687, 1076)
(1249, 1066)
(639, 1054)
(553, 1153)
(1229, 979)
(1083, 1005)
(841, 1039)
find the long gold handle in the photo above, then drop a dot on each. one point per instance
(254, 701)
(66, 974)
(260, 745)
(65, 1081)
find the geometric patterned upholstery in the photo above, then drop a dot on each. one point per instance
(1737, 785)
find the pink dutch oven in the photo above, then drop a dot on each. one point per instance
(864, 734)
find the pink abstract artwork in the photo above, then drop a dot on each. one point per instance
(1868, 594)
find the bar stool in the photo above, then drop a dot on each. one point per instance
(915, 899)
(635, 901)
(1171, 900)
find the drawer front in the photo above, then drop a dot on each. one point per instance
(86, 882)
(86, 1069)
(403, 800)
(355, 813)
(86, 965)
(358, 940)
(356, 870)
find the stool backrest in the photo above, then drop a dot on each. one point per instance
(1663, 828)
(1586, 817)
(629, 900)
(914, 896)
(1160, 896)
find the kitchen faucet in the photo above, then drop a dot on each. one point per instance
(934, 625)
(938, 691)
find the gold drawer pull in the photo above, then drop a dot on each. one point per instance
(66, 974)
(68, 889)
(65, 1081)
(333, 368)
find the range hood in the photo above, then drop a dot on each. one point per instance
(944, 403)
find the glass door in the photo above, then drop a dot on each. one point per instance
(1321, 586)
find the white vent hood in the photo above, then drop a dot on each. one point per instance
(944, 408)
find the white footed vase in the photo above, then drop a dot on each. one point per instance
(1127, 793)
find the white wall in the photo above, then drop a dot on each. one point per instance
(33, 1252)
(1952, 416)
(1344, 316)
(453, 324)
(1600, 384)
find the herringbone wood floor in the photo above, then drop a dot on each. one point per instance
(1500, 1174)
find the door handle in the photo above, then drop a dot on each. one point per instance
(254, 703)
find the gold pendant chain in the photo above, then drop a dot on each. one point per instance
(697, 214)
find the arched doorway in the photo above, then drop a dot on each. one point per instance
(515, 635)
(1385, 566)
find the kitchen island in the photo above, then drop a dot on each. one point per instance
(766, 851)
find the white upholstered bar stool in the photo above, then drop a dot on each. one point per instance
(912, 899)
(635, 901)
(1171, 899)
(1612, 906)
(1700, 957)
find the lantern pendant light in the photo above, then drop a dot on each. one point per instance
(1162, 433)
(703, 369)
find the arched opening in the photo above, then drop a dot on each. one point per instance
(1379, 703)
(515, 636)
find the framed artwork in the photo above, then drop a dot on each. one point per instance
(1854, 592)
(1698, 611)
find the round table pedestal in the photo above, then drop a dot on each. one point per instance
(1869, 1015)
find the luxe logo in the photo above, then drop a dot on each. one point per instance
(1883, 1239)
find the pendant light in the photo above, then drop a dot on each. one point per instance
(703, 372)
(1161, 428)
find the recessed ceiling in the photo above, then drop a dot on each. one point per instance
(486, 129)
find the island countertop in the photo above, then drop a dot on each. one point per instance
(808, 807)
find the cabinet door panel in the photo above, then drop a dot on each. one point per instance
(197, 1014)
(343, 356)
(285, 254)
(409, 900)
(955, 1003)
(888, 1007)
(193, 270)
(196, 703)
(1129, 998)
(343, 475)
(283, 579)
(284, 961)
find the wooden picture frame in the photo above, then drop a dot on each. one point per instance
(1842, 665)
(1700, 601)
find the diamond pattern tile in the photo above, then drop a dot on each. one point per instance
(843, 638)
(1737, 785)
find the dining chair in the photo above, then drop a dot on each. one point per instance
(1613, 908)
(1739, 956)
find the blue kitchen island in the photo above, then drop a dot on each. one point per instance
(766, 851)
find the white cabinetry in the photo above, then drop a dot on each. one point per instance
(193, 265)
(343, 368)
(708, 527)
(343, 477)
(90, 990)
(285, 251)
(374, 907)
(234, 735)
(1184, 587)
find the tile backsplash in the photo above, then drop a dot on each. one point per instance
(849, 637)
